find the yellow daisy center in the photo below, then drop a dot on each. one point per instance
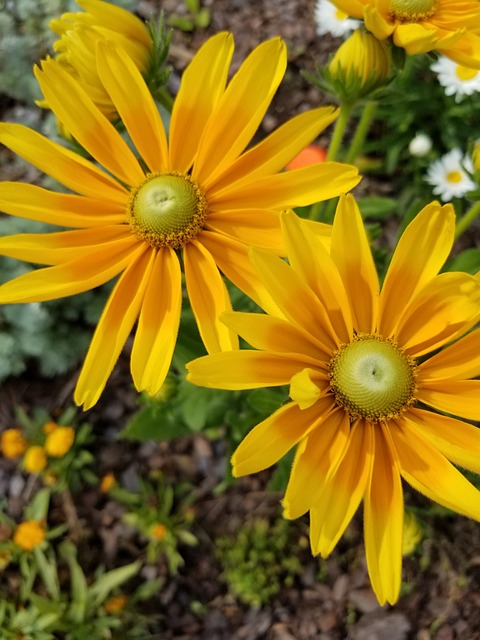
(412, 10)
(465, 73)
(167, 210)
(372, 378)
(454, 176)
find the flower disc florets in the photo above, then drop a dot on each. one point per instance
(412, 10)
(372, 378)
(167, 210)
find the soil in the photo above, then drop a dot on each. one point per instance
(329, 599)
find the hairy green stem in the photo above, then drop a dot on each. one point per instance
(465, 221)
(361, 132)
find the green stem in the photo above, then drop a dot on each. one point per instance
(361, 132)
(466, 220)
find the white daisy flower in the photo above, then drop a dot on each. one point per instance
(331, 20)
(449, 176)
(458, 80)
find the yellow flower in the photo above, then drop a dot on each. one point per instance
(35, 459)
(158, 531)
(412, 533)
(448, 26)
(13, 443)
(76, 48)
(107, 482)
(48, 427)
(360, 65)
(366, 378)
(29, 534)
(59, 441)
(198, 200)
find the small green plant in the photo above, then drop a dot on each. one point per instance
(196, 18)
(259, 561)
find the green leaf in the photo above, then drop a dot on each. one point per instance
(106, 583)
(468, 260)
(153, 422)
(377, 207)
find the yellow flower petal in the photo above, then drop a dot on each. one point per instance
(276, 150)
(157, 329)
(350, 251)
(456, 362)
(271, 439)
(256, 227)
(69, 168)
(343, 492)
(442, 310)
(134, 103)
(384, 520)
(457, 440)
(114, 327)
(208, 297)
(429, 472)
(86, 123)
(295, 299)
(62, 247)
(458, 397)
(420, 253)
(36, 203)
(296, 188)
(117, 19)
(303, 388)
(203, 82)
(308, 257)
(268, 333)
(239, 111)
(245, 369)
(80, 274)
(316, 456)
(415, 38)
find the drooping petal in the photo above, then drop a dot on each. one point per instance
(458, 397)
(158, 323)
(311, 261)
(350, 251)
(458, 441)
(316, 456)
(343, 491)
(36, 203)
(203, 82)
(69, 168)
(268, 333)
(447, 306)
(275, 151)
(255, 227)
(113, 328)
(429, 472)
(245, 369)
(239, 111)
(307, 386)
(209, 297)
(134, 103)
(295, 299)
(62, 247)
(81, 274)
(274, 437)
(73, 107)
(415, 38)
(420, 253)
(296, 188)
(384, 520)
(458, 361)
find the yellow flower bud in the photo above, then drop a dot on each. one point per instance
(48, 427)
(35, 459)
(158, 531)
(13, 443)
(412, 533)
(116, 604)
(107, 482)
(360, 65)
(29, 534)
(59, 441)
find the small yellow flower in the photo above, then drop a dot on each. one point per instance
(13, 443)
(35, 459)
(158, 531)
(48, 427)
(412, 533)
(29, 534)
(116, 604)
(107, 482)
(59, 441)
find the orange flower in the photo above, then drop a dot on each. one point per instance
(107, 482)
(13, 443)
(158, 531)
(116, 604)
(59, 441)
(29, 534)
(310, 155)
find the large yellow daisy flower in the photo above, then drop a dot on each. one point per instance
(365, 372)
(198, 198)
(76, 47)
(448, 26)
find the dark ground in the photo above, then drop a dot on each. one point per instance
(441, 598)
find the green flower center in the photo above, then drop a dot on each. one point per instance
(167, 210)
(412, 10)
(372, 378)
